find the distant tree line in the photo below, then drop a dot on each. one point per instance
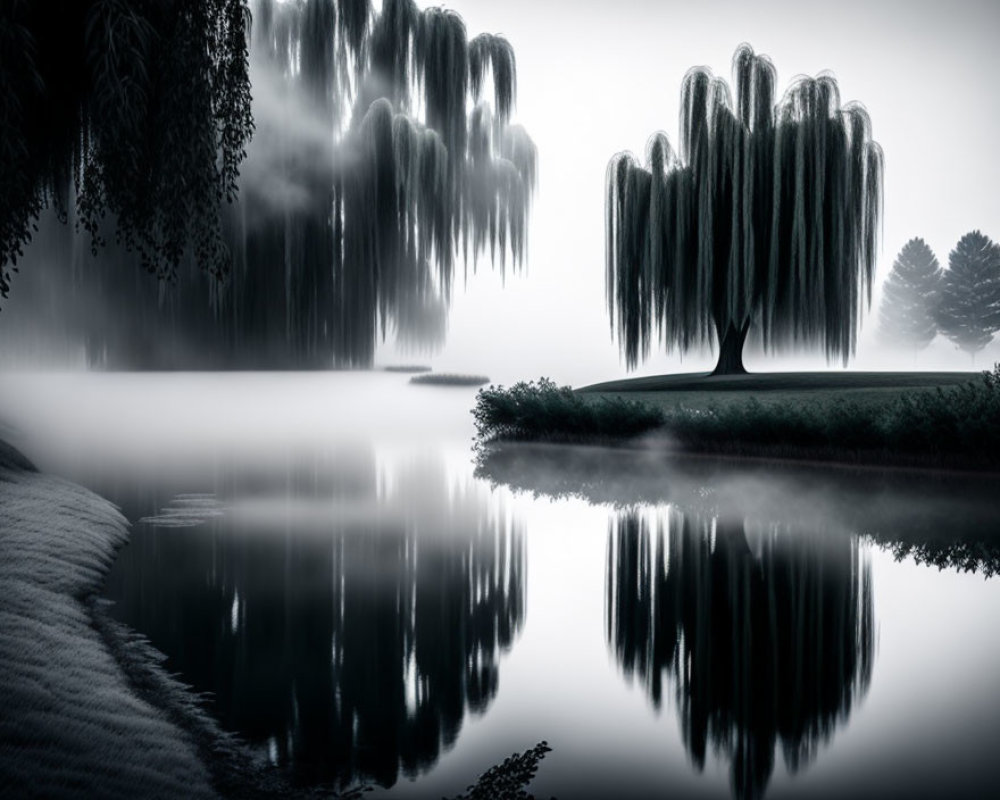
(921, 300)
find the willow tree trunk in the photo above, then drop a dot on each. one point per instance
(731, 340)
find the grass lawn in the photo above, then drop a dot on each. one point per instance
(699, 390)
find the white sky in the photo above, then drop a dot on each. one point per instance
(598, 77)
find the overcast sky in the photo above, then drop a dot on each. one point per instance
(598, 77)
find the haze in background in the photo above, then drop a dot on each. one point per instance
(597, 77)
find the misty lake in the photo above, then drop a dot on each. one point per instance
(365, 603)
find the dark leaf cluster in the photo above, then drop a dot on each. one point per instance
(543, 410)
(137, 109)
(956, 426)
(507, 780)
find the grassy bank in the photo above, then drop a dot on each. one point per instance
(88, 710)
(816, 389)
(72, 725)
(946, 420)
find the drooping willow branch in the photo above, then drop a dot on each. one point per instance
(420, 180)
(138, 110)
(378, 169)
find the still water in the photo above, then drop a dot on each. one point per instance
(366, 603)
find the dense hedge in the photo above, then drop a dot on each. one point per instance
(957, 426)
(542, 410)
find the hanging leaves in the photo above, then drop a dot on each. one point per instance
(140, 110)
(375, 172)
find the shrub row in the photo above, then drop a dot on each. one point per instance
(956, 425)
(542, 410)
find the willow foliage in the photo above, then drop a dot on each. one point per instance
(425, 174)
(380, 170)
(136, 112)
(768, 214)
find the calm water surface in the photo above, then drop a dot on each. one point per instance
(366, 604)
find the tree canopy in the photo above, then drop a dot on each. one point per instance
(969, 309)
(384, 161)
(767, 214)
(140, 111)
(910, 297)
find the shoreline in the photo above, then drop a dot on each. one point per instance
(660, 445)
(73, 726)
(88, 708)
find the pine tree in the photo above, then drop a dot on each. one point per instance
(969, 309)
(910, 296)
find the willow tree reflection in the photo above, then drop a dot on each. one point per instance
(345, 624)
(766, 634)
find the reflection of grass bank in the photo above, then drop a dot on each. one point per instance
(944, 421)
(940, 518)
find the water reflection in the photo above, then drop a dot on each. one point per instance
(345, 620)
(945, 520)
(766, 633)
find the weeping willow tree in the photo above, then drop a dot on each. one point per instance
(384, 164)
(767, 215)
(137, 113)
(425, 181)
